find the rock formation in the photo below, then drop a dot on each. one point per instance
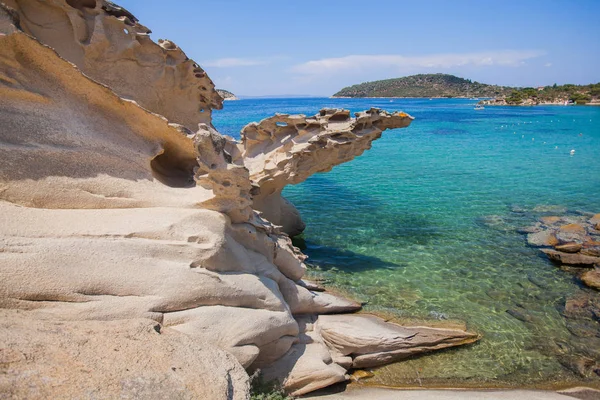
(128, 227)
(287, 149)
(107, 43)
(572, 241)
(569, 240)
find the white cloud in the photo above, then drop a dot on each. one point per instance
(234, 62)
(509, 58)
(548, 65)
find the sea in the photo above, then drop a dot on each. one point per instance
(423, 228)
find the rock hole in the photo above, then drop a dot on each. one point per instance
(226, 183)
(81, 4)
(339, 117)
(281, 124)
(174, 169)
(202, 110)
(126, 31)
(199, 75)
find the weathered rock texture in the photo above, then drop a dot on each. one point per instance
(287, 149)
(125, 233)
(126, 359)
(107, 43)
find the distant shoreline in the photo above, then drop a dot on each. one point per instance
(407, 97)
(470, 98)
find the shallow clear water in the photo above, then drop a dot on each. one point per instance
(422, 226)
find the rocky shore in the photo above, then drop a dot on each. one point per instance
(572, 242)
(143, 253)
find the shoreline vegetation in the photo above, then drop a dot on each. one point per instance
(449, 86)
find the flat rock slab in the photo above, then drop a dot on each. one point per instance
(569, 247)
(571, 258)
(450, 394)
(371, 341)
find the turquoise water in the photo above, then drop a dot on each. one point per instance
(423, 226)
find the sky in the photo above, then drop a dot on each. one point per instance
(265, 47)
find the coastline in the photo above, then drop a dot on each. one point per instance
(484, 101)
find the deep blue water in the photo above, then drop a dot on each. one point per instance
(422, 226)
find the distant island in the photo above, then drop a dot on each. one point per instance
(424, 85)
(450, 86)
(226, 94)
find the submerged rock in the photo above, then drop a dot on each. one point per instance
(592, 278)
(542, 239)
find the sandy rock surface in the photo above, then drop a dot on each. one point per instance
(128, 359)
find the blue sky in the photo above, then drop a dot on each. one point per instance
(266, 47)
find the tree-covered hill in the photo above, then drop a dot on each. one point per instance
(424, 85)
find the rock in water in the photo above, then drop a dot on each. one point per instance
(570, 258)
(592, 278)
(371, 341)
(287, 149)
(542, 239)
(331, 344)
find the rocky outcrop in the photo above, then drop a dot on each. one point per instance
(121, 227)
(108, 44)
(329, 345)
(287, 149)
(569, 240)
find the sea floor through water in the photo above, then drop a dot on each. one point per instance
(423, 227)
